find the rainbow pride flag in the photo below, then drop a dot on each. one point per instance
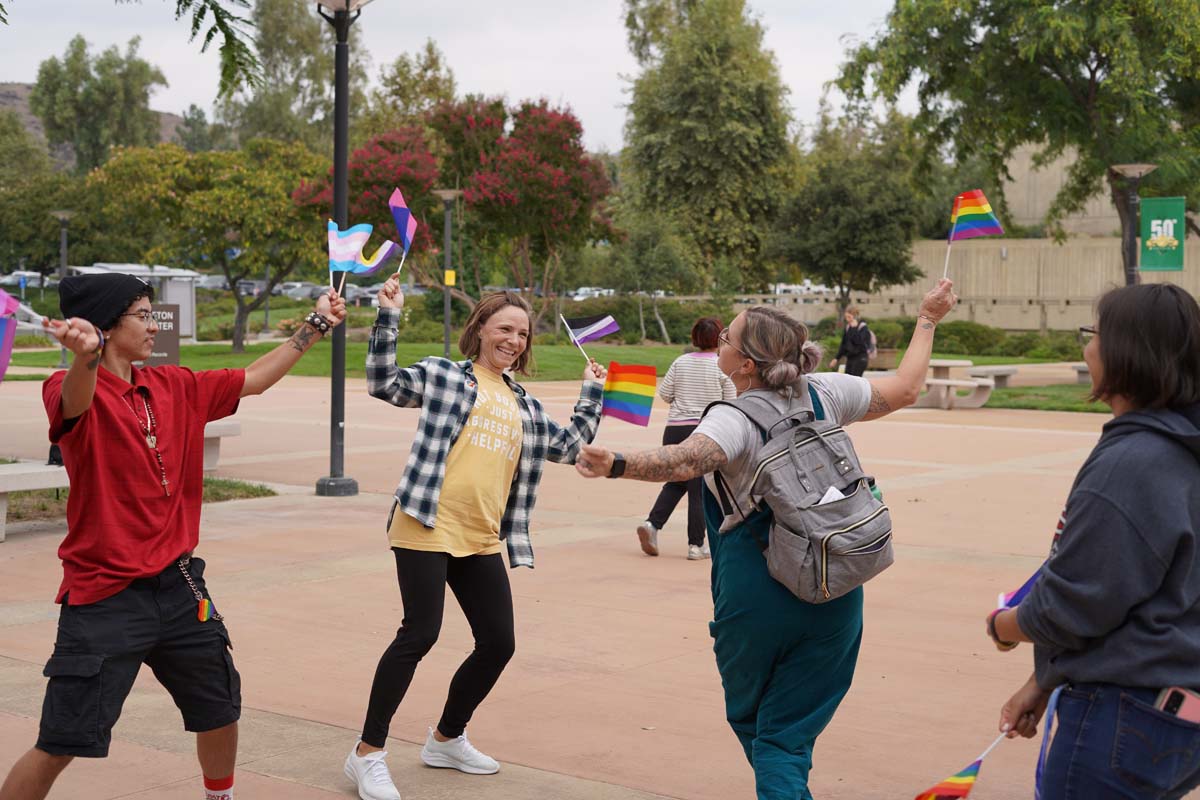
(8, 329)
(972, 216)
(629, 393)
(957, 785)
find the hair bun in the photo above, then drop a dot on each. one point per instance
(781, 374)
(810, 356)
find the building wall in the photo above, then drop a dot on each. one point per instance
(1031, 191)
(1015, 284)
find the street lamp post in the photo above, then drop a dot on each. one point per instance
(447, 196)
(63, 218)
(1133, 174)
(345, 12)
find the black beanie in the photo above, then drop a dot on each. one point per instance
(100, 298)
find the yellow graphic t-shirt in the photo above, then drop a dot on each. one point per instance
(479, 474)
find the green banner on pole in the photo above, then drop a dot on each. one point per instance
(1163, 228)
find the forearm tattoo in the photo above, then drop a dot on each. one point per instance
(879, 404)
(697, 455)
(95, 362)
(303, 338)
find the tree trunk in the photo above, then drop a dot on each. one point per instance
(239, 323)
(1123, 197)
(662, 326)
(642, 316)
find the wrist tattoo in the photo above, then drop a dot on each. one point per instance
(95, 362)
(303, 338)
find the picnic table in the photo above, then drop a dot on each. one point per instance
(942, 390)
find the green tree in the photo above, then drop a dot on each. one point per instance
(1109, 82)
(409, 89)
(21, 153)
(29, 235)
(294, 101)
(238, 63)
(650, 258)
(851, 225)
(707, 133)
(197, 134)
(94, 104)
(135, 198)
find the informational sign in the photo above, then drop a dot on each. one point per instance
(1163, 229)
(166, 341)
(450, 276)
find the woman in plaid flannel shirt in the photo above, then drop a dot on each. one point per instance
(466, 494)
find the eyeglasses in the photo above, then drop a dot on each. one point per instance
(145, 316)
(1086, 332)
(723, 338)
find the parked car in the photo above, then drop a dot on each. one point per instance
(249, 288)
(214, 282)
(287, 287)
(32, 279)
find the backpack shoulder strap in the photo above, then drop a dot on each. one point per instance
(818, 409)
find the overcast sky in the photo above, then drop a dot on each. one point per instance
(569, 51)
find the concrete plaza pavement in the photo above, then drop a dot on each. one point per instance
(613, 693)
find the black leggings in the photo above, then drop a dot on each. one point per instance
(480, 583)
(674, 491)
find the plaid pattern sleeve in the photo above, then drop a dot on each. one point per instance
(544, 439)
(385, 380)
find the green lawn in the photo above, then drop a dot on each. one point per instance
(52, 503)
(1058, 397)
(37, 376)
(553, 362)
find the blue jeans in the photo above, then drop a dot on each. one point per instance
(1110, 742)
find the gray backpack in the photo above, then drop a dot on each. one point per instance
(819, 551)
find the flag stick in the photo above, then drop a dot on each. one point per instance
(573, 339)
(992, 746)
(331, 279)
(342, 285)
(946, 269)
(403, 256)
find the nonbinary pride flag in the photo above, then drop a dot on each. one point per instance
(629, 393)
(972, 216)
(586, 329)
(957, 785)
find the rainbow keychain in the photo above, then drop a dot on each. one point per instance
(205, 611)
(204, 607)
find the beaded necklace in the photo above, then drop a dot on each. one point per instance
(150, 431)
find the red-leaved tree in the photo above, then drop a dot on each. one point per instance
(398, 158)
(541, 193)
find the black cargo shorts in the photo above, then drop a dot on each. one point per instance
(101, 646)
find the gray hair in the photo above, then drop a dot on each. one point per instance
(779, 346)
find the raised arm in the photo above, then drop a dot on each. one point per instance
(385, 380)
(86, 343)
(266, 371)
(894, 392)
(695, 456)
(566, 440)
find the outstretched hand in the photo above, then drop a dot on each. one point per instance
(939, 301)
(390, 295)
(594, 461)
(332, 307)
(594, 372)
(77, 335)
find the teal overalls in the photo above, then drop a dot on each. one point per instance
(785, 664)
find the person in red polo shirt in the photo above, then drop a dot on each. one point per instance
(132, 440)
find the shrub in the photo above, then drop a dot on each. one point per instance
(289, 326)
(827, 326)
(32, 340)
(972, 337)
(424, 331)
(888, 333)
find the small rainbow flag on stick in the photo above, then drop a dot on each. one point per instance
(629, 393)
(971, 217)
(960, 783)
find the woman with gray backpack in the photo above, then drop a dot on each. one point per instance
(793, 526)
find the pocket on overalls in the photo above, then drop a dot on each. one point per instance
(1153, 750)
(71, 710)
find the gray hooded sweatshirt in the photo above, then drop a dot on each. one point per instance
(1118, 600)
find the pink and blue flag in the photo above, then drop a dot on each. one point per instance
(8, 329)
(346, 247)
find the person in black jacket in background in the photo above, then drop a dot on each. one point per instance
(856, 344)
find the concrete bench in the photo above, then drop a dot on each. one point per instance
(943, 393)
(213, 433)
(999, 375)
(28, 476)
(1083, 374)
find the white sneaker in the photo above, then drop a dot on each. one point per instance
(648, 535)
(371, 774)
(698, 552)
(457, 754)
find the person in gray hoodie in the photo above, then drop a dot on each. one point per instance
(1114, 616)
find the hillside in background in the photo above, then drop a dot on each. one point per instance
(15, 97)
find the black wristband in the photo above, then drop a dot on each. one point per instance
(319, 322)
(618, 466)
